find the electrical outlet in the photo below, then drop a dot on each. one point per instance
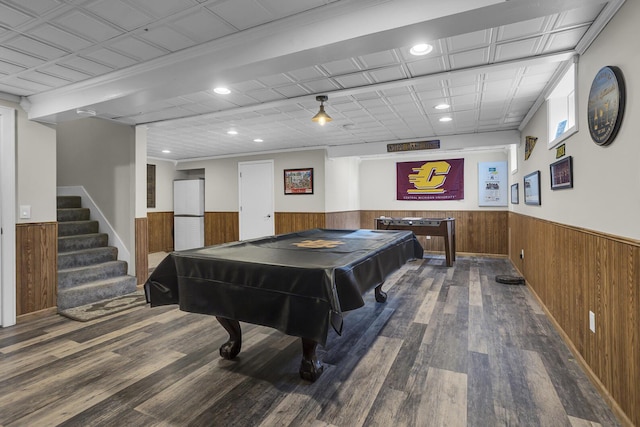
(521, 253)
(428, 237)
(592, 321)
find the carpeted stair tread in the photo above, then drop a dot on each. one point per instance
(85, 257)
(71, 277)
(63, 202)
(73, 214)
(72, 228)
(95, 291)
(83, 241)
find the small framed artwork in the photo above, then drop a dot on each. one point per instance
(514, 194)
(298, 181)
(532, 188)
(562, 174)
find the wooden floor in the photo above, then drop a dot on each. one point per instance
(449, 347)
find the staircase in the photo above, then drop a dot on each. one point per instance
(88, 269)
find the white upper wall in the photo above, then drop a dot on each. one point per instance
(35, 167)
(221, 181)
(606, 192)
(165, 175)
(342, 184)
(378, 181)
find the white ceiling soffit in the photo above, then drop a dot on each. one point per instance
(155, 62)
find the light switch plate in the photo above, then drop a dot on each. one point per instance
(25, 211)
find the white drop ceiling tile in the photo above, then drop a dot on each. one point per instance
(388, 74)
(85, 65)
(564, 40)
(458, 81)
(119, 13)
(343, 66)
(502, 75)
(319, 86)
(44, 79)
(110, 58)
(247, 86)
(199, 96)
(372, 102)
(464, 90)
(579, 16)
(38, 7)
(469, 99)
(242, 14)
(19, 58)
(87, 26)
(162, 8)
(518, 49)
(288, 7)
(426, 66)
(264, 95)
(379, 59)
(487, 113)
(305, 74)
(12, 17)
(58, 37)
(203, 26)
(8, 68)
(276, 80)
(400, 99)
(472, 58)
(353, 80)
(136, 48)
(14, 90)
(29, 86)
(291, 91)
(33, 47)
(474, 40)
(167, 38)
(432, 96)
(522, 29)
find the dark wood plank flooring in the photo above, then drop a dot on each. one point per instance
(450, 347)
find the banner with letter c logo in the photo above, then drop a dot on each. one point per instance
(430, 180)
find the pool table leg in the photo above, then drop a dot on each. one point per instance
(310, 367)
(381, 296)
(231, 348)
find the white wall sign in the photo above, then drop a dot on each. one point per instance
(492, 184)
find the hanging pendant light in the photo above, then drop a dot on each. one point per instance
(321, 117)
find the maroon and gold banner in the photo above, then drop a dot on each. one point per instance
(430, 180)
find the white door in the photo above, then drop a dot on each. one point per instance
(7, 218)
(255, 182)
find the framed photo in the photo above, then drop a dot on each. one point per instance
(298, 181)
(532, 188)
(562, 174)
(515, 196)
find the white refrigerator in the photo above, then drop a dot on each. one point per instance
(188, 214)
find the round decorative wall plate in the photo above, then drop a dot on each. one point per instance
(606, 105)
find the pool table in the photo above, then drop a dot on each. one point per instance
(299, 283)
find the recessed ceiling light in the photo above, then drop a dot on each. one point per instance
(232, 132)
(446, 119)
(442, 106)
(421, 49)
(166, 151)
(258, 140)
(222, 91)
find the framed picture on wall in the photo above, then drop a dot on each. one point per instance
(532, 188)
(515, 196)
(298, 181)
(562, 174)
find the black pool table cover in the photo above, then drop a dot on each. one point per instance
(298, 283)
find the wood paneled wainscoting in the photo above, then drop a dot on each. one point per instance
(288, 222)
(573, 271)
(477, 232)
(347, 220)
(160, 231)
(36, 266)
(220, 227)
(142, 250)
